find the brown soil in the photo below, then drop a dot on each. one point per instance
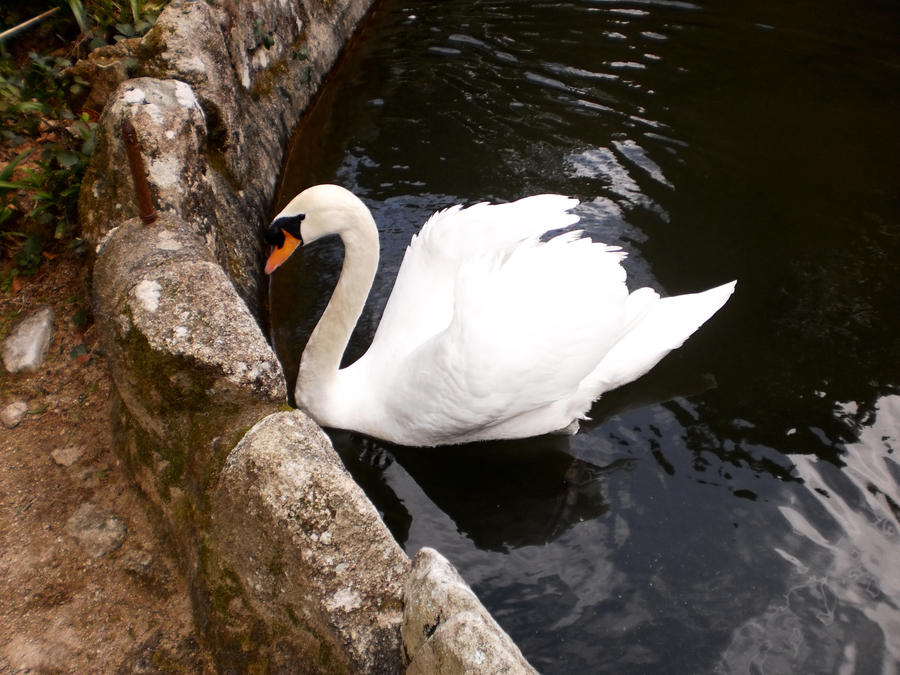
(62, 610)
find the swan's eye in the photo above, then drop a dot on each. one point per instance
(290, 224)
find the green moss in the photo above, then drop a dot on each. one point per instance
(150, 368)
(205, 425)
(218, 164)
(328, 661)
(269, 78)
(390, 603)
(223, 583)
(184, 513)
(143, 449)
(221, 596)
(150, 51)
(279, 70)
(154, 42)
(278, 630)
(239, 642)
(173, 472)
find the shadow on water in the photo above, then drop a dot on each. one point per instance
(499, 495)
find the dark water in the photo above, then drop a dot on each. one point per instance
(736, 510)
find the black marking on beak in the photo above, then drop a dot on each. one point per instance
(291, 224)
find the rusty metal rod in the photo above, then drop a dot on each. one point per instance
(138, 174)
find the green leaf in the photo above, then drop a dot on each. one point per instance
(11, 167)
(31, 106)
(89, 145)
(78, 11)
(67, 159)
(29, 256)
(12, 137)
(78, 350)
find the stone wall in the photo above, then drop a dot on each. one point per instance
(220, 87)
(289, 565)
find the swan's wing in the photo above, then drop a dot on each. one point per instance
(655, 327)
(421, 303)
(526, 329)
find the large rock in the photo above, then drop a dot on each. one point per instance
(98, 533)
(25, 347)
(255, 98)
(160, 286)
(300, 545)
(171, 132)
(232, 81)
(191, 367)
(447, 630)
(11, 415)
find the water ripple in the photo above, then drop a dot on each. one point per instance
(603, 164)
(665, 4)
(848, 566)
(638, 156)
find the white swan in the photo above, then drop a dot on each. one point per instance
(489, 333)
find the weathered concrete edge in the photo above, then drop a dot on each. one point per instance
(446, 629)
(226, 175)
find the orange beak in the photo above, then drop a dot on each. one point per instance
(281, 253)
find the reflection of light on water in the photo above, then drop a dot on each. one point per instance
(603, 163)
(865, 564)
(845, 561)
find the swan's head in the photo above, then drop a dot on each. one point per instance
(314, 213)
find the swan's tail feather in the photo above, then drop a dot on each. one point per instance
(655, 326)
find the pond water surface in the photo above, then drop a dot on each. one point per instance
(736, 510)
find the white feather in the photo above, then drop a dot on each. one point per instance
(489, 331)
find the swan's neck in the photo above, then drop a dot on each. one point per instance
(321, 360)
